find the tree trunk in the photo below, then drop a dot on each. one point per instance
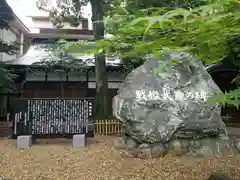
(101, 100)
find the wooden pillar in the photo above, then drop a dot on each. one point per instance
(22, 88)
(67, 75)
(46, 74)
(87, 80)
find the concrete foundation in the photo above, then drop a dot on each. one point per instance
(79, 141)
(24, 142)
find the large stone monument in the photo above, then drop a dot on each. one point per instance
(163, 108)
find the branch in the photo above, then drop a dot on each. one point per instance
(63, 10)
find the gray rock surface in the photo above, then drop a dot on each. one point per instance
(163, 108)
(166, 98)
(238, 145)
(158, 150)
(119, 143)
(130, 143)
(179, 147)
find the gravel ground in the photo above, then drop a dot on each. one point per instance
(55, 159)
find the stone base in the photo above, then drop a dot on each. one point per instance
(79, 141)
(24, 142)
(205, 147)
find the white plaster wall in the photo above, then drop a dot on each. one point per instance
(76, 76)
(36, 76)
(55, 76)
(112, 76)
(111, 85)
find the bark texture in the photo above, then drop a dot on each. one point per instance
(101, 100)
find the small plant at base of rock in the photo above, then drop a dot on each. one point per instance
(218, 176)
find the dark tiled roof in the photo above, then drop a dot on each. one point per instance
(38, 54)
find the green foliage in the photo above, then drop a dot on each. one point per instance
(234, 51)
(113, 7)
(135, 5)
(231, 98)
(9, 48)
(6, 15)
(59, 58)
(199, 31)
(202, 29)
(64, 10)
(6, 78)
(86, 47)
(72, 10)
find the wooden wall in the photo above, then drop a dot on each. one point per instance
(54, 90)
